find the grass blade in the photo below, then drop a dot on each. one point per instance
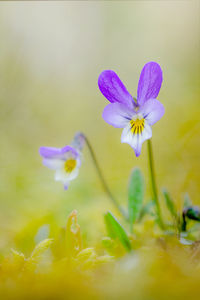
(146, 210)
(116, 231)
(170, 203)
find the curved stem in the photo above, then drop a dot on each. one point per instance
(153, 182)
(103, 181)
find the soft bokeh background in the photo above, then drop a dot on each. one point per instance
(51, 55)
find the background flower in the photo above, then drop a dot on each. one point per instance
(65, 161)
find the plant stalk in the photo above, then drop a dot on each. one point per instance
(153, 182)
(103, 181)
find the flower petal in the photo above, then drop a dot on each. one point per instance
(50, 152)
(63, 176)
(149, 83)
(66, 185)
(113, 89)
(74, 174)
(152, 111)
(52, 163)
(136, 140)
(117, 115)
(70, 151)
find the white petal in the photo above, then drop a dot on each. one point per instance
(74, 174)
(146, 133)
(59, 175)
(53, 163)
(136, 140)
(78, 161)
(63, 176)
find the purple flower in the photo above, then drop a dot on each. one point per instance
(135, 116)
(65, 161)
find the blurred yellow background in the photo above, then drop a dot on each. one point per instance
(51, 55)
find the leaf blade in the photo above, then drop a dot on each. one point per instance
(116, 230)
(169, 203)
(135, 195)
(187, 200)
(40, 249)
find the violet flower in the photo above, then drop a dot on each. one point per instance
(65, 161)
(135, 116)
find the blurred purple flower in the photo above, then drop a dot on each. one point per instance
(65, 161)
(136, 117)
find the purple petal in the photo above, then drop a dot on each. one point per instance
(66, 185)
(117, 115)
(113, 89)
(149, 83)
(50, 152)
(136, 140)
(71, 150)
(152, 110)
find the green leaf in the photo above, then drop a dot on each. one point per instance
(187, 200)
(17, 254)
(135, 195)
(147, 210)
(40, 249)
(169, 202)
(86, 253)
(116, 231)
(19, 259)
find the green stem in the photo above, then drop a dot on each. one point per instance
(153, 182)
(103, 181)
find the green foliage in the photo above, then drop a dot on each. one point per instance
(109, 245)
(187, 200)
(21, 263)
(116, 231)
(41, 277)
(17, 255)
(170, 203)
(88, 258)
(86, 254)
(19, 259)
(37, 253)
(40, 249)
(147, 210)
(135, 195)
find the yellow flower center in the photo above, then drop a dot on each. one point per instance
(70, 165)
(137, 126)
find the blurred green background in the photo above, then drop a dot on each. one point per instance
(51, 55)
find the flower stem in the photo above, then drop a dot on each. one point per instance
(153, 182)
(103, 181)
